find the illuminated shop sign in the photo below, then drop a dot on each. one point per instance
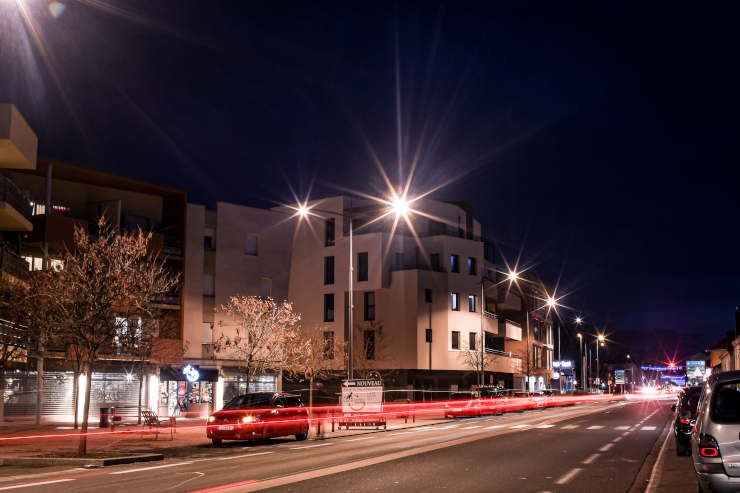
(662, 368)
(191, 373)
(563, 364)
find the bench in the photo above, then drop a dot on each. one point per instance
(117, 413)
(152, 421)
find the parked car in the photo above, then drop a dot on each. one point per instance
(519, 401)
(463, 404)
(683, 423)
(714, 440)
(493, 400)
(261, 416)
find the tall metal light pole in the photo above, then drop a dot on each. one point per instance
(399, 206)
(580, 362)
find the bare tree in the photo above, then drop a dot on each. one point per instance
(474, 360)
(323, 357)
(265, 336)
(529, 365)
(371, 348)
(98, 287)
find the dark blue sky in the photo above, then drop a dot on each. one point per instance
(599, 142)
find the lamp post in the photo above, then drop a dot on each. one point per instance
(399, 206)
(599, 342)
(582, 363)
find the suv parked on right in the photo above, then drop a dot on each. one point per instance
(683, 423)
(715, 440)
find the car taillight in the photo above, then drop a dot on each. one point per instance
(685, 421)
(708, 446)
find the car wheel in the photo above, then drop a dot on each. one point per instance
(302, 436)
(216, 441)
(680, 449)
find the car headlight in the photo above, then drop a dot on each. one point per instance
(250, 419)
(211, 419)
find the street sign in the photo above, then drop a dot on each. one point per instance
(555, 375)
(619, 377)
(362, 396)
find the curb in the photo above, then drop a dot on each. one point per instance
(59, 461)
(642, 480)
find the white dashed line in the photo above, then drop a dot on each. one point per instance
(355, 439)
(312, 446)
(448, 427)
(494, 426)
(35, 484)
(626, 433)
(569, 427)
(648, 428)
(591, 459)
(148, 468)
(518, 426)
(545, 426)
(617, 439)
(606, 447)
(568, 476)
(247, 455)
(471, 427)
(622, 428)
(594, 427)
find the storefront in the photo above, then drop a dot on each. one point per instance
(189, 392)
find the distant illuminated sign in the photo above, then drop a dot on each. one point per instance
(555, 375)
(619, 377)
(662, 368)
(562, 364)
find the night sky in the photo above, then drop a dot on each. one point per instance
(597, 144)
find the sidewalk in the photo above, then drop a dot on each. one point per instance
(677, 474)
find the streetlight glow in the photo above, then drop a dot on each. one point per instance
(302, 210)
(601, 337)
(513, 276)
(399, 206)
(578, 320)
(550, 302)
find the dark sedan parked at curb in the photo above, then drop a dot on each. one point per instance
(259, 416)
(685, 418)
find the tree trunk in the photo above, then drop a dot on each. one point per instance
(85, 410)
(2, 393)
(39, 388)
(248, 380)
(310, 402)
(76, 390)
(141, 389)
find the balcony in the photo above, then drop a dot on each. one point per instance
(18, 143)
(16, 213)
(512, 331)
(416, 266)
(508, 354)
(509, 300)
(59, 231)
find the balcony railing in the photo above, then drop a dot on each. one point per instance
(12, 195)
(13, 264)
(173, 246)
(508, 354)
(415, 266)
(515, 324)
(490, 314)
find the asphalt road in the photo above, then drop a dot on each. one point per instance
(588, 447)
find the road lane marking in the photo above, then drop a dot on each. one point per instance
(594, 427)
(606, 447)
(622, 428)
(518, 426)
(355, 439)
(494, 426)
(471, 427)
(312, 446)
(569, 427)
(626, 433)
(545, 426)
(591, 459)
(247, 455)
(150, 468)
(617, 439)
(35, 484)
(568, 476)
(648, 428)
(448, 427)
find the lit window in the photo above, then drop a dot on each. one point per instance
(472, 303)
(455, 301)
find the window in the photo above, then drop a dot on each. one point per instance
(329, 345)
(329, 270)
(429, 336)
(455, 339)
(399, 261)
(251, 248)
(472, 303)
(489, 252)
(362, 266)
(472, 267)
(207, 333)
(471, 341)
(209, 239)
(454, 263)
(369, 340)
(428, 295)
(434, 260)
(329, 307)
(725, 403)
(291, 401)
(330, 231)
(370, 305)
(128, 331)
(207, 285)
(265, 288)
(455, 301)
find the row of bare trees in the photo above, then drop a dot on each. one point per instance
(100, 296)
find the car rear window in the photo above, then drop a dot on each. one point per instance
(725, 405)
(690, 399)
(292, 401)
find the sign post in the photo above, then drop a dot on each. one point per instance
(362, 403)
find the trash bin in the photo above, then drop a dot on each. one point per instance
(104, 412)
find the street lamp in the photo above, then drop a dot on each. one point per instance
(599, 342)
(398, 206)
(583, 364)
